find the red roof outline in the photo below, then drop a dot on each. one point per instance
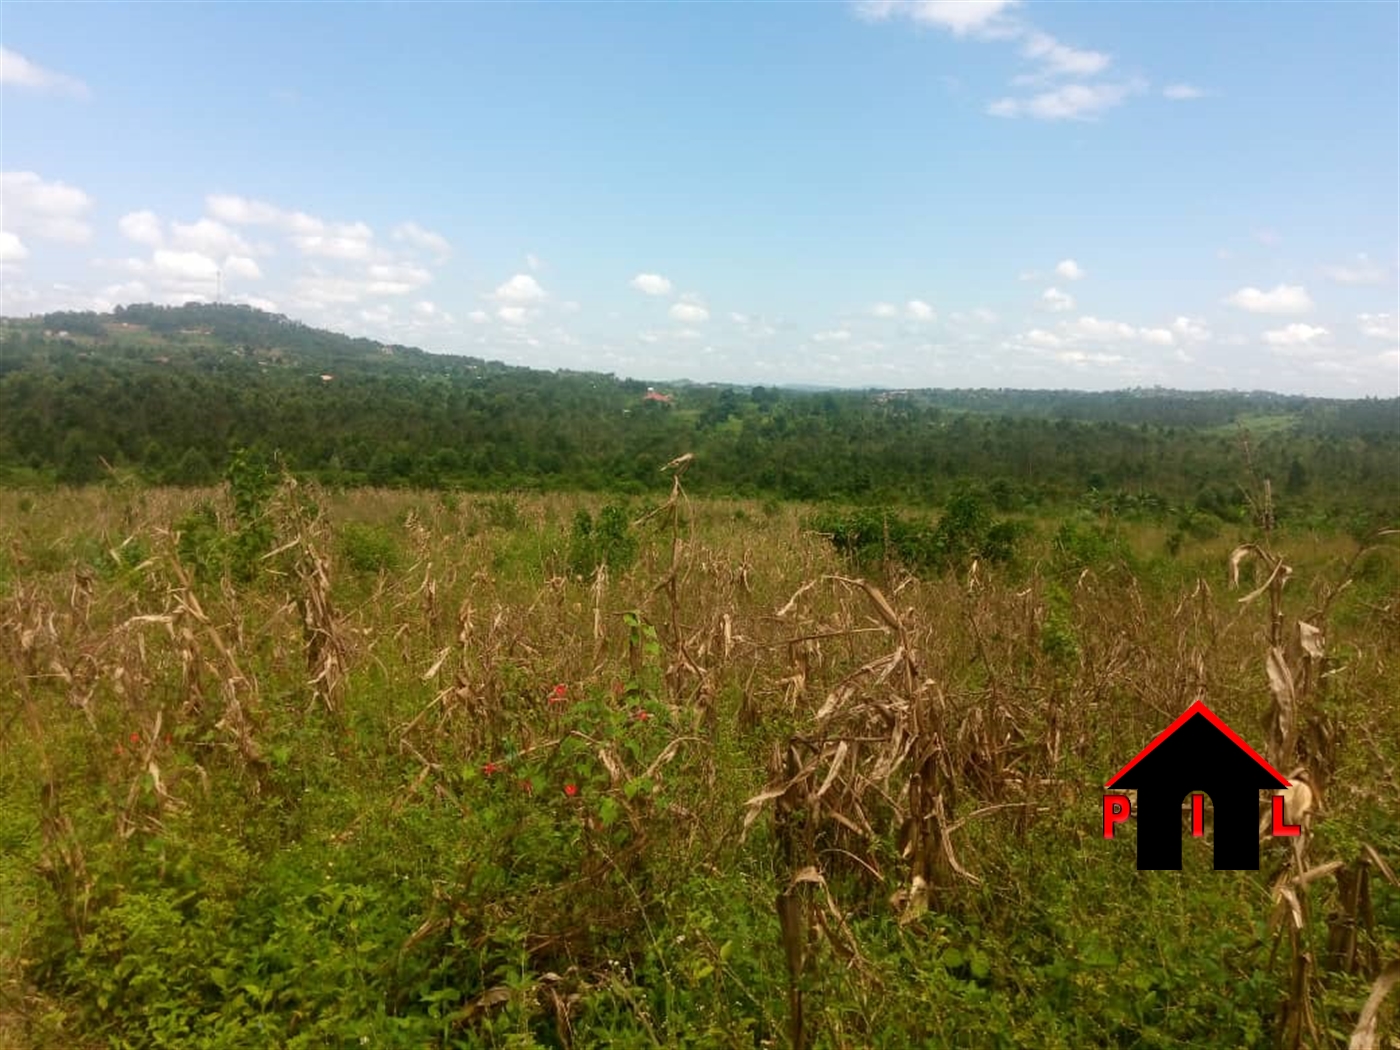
(1200, 708)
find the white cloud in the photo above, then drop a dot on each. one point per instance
(1379, 326)
(513, 314)
(959, 17)
(1156, 336)
(48, 210)
(839, 335)
(1182, 92)
(739, 318)
(185, 266)
(312, 236)
(522, 288)
(985, 315)
(427, 240)
(1069, 270)
(1295, 335)
(918, 310)
(1069, 101)
(651, 284)
(478, 317)
(240, 266)
(884, 310)
(1092, 328)
(534, 262)
(1361, 271)
(207, 236)
(396, 278)
(143, 227)
(1284, 299)
(1056, 300)
(353, 242)
(1268, 238)
(12, 249)
(21, 72)
(257, 302)
(689, 313)
(425, 308)
(242, 211)
(1080, 357)
(1041, 338)
(1059, 60)
(1191, 329)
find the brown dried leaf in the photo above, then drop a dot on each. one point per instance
(1310, 638)
(1366, 1034)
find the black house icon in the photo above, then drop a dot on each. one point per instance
(1198, 752)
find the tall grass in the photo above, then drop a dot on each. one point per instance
(417, 782)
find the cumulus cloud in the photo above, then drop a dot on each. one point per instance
(1182, 92)
(143, 227)
(1295, 335)
(182, 269)
(918, 310)
(1361, 271)
(1057, 59)
(651, 284)
(689, 313)
(1068, 101)
(12, 249)
(1378, 326)
(1283, 299)
(427, 240)
(18, 71)
(839, 335)
(1069, 270)
(884, 310)
(207, 236)
(1191, 329)
(522, 288)
(313, 236)
(959, 17)
(1056, 300)
(47, 210)
(240, 266)
(516, 315)
(478, 317)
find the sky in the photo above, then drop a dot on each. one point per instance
(946, 193)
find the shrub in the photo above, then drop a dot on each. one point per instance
(369, 548)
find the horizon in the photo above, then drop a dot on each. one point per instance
(779, 385)
(860, 196)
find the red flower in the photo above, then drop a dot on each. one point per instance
(642, 716)
(136, 738)
(571, 790)
(490, 768)
(560, 694)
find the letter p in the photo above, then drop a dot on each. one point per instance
(1116, 809)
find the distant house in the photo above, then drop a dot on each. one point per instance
(660, 399)
(327, 378)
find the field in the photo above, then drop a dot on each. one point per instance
(289, 766)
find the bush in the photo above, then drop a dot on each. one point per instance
(610, 541)
(369, 548)
(871, 536)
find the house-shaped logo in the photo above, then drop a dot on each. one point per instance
(1196, 753)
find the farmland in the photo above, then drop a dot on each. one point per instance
(288, 763)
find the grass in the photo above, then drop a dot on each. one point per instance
(345, 803)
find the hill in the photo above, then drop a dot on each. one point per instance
(170, 392)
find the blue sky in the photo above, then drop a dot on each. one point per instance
(898, 194)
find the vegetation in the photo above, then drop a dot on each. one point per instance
(167, 394)
(287, 766)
